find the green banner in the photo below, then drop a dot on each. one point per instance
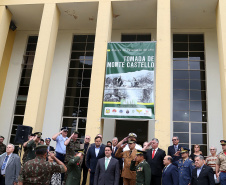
(129, 81)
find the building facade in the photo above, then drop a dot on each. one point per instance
(53, 59)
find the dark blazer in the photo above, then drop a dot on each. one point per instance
(170, 176)
(109, 176)
(12, 169)
(206, 176)
(156, 163)
(119, 159)
(171, 152)
(91, 159)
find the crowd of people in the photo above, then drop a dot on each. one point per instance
(117, 163)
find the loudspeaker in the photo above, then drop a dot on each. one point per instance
(22, 134)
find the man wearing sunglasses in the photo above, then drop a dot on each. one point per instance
(174, 150)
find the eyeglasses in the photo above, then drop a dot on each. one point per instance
(174, 139)
(87, 138)
(212, 149)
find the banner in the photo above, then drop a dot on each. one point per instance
(129, 81)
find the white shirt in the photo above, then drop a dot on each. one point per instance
(97, 150)
(155, 150)
(199, 170)
(138, 147)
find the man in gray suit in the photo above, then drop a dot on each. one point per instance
(10, 166)
(107, 169)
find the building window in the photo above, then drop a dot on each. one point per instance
(78, 84)
(28, 60)
(135, 37)
(189, 90)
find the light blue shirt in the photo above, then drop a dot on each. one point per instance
(199, 170)
(97, 150)
(60, 147)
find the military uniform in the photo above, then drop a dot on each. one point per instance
(38, 171)
(2, 148)
(31, 148)
(221, 161)
(127, 174)
(73, 171)
(70, 150)
(143, 172)
(185, 170)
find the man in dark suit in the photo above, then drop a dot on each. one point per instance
(10, 166)
(94, 153)
(49, 148)
(84, 168)
(155, 158)
(107, 170)
(170, 174)
(174, 150)
(202, 174)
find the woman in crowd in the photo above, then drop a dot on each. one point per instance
(196, 152)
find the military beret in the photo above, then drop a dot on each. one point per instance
(223, 142)
(132, 135)
(41, 147)
(48, 139)
(131, 142)
(184, 150)
(76, 132)
(38, 134)
(140, 152)
(64, 129)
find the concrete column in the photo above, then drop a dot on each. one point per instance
(163, 74)
(38, 90)
(221, 36)
(5, 61)
(103, 36)
(5, 18)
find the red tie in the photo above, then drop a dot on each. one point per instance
(153, 153)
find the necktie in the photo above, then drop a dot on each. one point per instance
(153, 153)
(130, 152)
(113, 149)
(106, 163)
(4, 163)
(175, 149)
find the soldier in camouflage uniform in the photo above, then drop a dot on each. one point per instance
(71, 144)
(30, 137)
(74, 169)
(2, 146)
(38, 171)
(31, 146)
(143, 170)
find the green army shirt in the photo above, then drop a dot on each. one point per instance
(143, 172)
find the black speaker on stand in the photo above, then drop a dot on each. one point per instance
(22, 135)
